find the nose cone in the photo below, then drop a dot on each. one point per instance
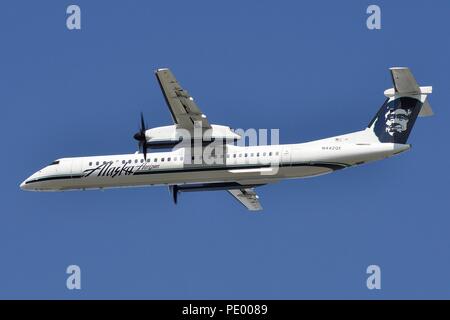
(28, 184)
(23, 185)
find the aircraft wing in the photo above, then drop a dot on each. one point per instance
(247, 197)
(184, 111)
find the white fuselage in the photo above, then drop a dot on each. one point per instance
(253, 165)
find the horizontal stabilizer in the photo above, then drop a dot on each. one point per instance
(406, 85)
(404, 81)
(426, 110)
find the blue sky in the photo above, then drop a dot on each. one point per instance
(311, 69)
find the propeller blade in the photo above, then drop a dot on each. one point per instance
(144, 150)
(174, 191)
(140, 137)
(142, 123)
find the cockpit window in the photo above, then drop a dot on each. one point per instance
(54, 162)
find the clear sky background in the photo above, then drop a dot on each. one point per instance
(311, 69)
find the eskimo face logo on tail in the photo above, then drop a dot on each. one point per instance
(397, 120)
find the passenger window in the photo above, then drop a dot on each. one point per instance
(162, 159)
(270, 154)
(97, 163)
(129, 161)
(257, 154)
(277, 153)
(90, 164)
(252, 154)
(245, 155)
(155, 160)
(240, 155)
(264, 154)
(148, 160)
(168, 159)
(174, 158)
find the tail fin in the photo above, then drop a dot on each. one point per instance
(405, 102)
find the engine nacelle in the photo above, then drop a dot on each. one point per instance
(169, 136)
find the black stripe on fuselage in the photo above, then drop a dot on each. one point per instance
(55, 178)
(333, 166)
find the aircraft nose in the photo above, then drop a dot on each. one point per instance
(23, 185)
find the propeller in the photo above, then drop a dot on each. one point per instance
(140, 137)
(174, 192)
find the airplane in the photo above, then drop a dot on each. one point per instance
(241, 168)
